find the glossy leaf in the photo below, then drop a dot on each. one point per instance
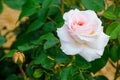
(28, 8)
(114, 54)
(109, 15)
(113, 30)
(15, 4)
(44, 61)
(71, 73)
(38, 73)
(51, 40)
(96, 5)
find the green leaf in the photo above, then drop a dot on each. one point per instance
(81, 62)
(78, 76)
(29, 71)
(101, 62)
(96, 5)
(100, 78)
(51, 40)
(113, 30)
(12, 77)
(2, 40)
(50, 43)
(26, 47)
(1, 7)
(109, 15)
(67, 73)
(48, 27)
(88, 77)
(114, 53)
(28, 8)
(15, 4)
(9, 54)
(35, 25)
(53, 9)
(46, 4)
(44, 61)
(62, 58)
(38, 73)
(44, 10)
(71, 73)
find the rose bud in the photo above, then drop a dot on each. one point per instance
(82, 33)
(18, 58)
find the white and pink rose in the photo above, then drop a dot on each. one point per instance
(82, 33)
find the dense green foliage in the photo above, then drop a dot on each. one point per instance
(37, 39)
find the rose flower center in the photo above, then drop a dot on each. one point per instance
(80, 23)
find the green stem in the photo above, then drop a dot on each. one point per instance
(73, 58)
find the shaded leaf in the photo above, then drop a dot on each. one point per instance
(1, 7)
(46, 4)
(35, 25)
(100, 78)
(114, 53)
(12, 77)
(81, 62)
(48, 27)
(62, 58)
(2, 40)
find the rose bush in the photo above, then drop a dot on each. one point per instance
(82, 33)
(36, 53)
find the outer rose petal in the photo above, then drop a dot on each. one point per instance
(63, 34)
(99, 42)
(90, 54)
(67, 44)
(70, 48)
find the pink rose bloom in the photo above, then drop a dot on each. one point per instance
(82, 33)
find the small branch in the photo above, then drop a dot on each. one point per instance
(22, 71)
(52, 20)
(116, 73)
(112, 64)
(62, 6)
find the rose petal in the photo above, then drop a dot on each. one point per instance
(63, 34)
(91, 54)
(100, 42)
(70, 48)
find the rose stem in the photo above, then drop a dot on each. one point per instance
(22, 71)
(62, 6)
